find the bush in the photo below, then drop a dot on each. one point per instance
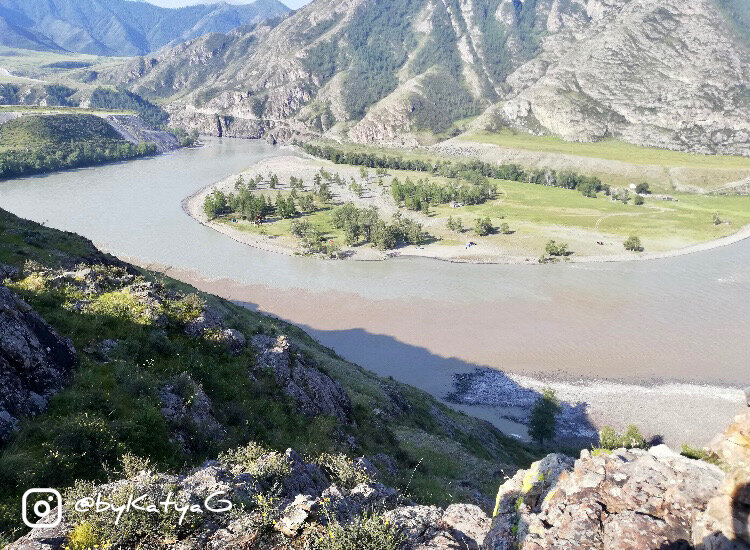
(257, 461)
(633, 244)
(455, 224)
(370, 532)
(83, 537)
(343, 470)
(631, 438)
(552, 248)
(638, 200)
(699, 454)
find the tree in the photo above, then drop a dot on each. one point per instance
(215, 204)
(274, 181)
(633, 244)
(483, 226)
(643, 189)
(455, 224)
(543, 421)
(306, 203)
(638, 200)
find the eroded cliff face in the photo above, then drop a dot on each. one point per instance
(670, 74)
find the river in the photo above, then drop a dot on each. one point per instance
(681, 319)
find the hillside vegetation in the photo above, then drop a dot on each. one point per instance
(409, 72)
(43, 143)
(142, 338)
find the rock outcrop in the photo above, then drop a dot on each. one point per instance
(622, 499)
(314, 391)
(630, 499)
(35, 361)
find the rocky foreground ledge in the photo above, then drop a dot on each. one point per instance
(623, 499)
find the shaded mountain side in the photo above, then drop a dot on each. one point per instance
(120, 27)
(672, 74)
(174, 376)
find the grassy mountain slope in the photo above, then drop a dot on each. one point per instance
(399, 72)
(112, 405)
(121, 27)
(42, 143)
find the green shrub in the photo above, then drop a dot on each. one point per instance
(83, 537)
(370, 532)
(699, 454)
(186, 309)
(342, 470)
(121, 304)
(631, 438)
(609, 439)
(257, 461)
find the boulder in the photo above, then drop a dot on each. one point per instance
(35, 362)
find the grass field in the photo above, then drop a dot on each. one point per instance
(549, 212)
(610, 150)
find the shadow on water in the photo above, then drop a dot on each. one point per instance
(475, 389)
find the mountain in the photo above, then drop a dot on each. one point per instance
(670, 74)
(119, 27)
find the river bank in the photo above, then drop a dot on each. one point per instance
(446, 247)
(423, 321)
(435, 352)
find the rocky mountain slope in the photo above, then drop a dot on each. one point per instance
(169, 376)
(670, 74)
(119, 27)
(618, 500)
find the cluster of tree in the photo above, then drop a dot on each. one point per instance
(107, 98)
(475, 171)
(421, 194)
(17, 163)
(186, 139)
(312, 239)
(255, 207)
(363, 225)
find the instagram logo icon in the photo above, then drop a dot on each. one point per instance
(46, 501)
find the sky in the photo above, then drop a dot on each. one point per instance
(294, 4)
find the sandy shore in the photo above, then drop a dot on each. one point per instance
(305, 166)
